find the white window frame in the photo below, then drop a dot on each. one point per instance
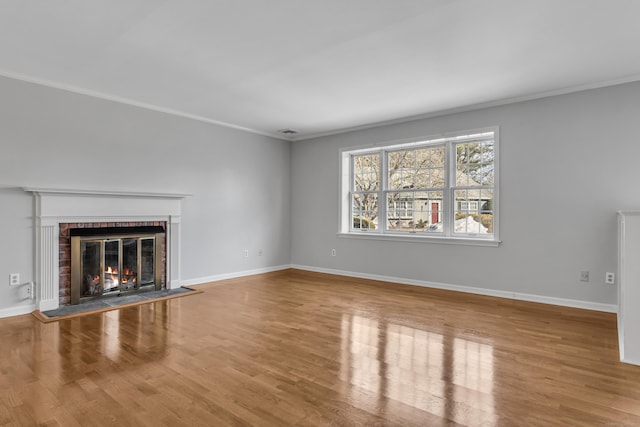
(447, 214)
(468, 206)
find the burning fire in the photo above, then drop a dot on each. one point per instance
(125, 276)
(114, 276)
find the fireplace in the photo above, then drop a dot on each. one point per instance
(113, 261)
(56, 211)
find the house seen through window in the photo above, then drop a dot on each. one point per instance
(444, 187)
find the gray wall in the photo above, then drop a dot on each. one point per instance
(567, 164)
(240, 182)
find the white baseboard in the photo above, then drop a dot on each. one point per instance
(46, 305)
(630, 361)
(587, 305)
(225, 276)
(17, 311)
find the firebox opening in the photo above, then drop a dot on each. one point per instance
(112, 261)
(107, 231)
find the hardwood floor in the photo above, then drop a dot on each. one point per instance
(307, 349)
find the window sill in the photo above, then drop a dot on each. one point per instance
(414, 238)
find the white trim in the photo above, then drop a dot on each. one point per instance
(130, 218)
(473, 107)
(133, 103)
(627, 286)
(17, 311)
(313, 135)
(587, 305)
(629, 213)
(630, 361)
(234, 275)
(419, 237)
(621, 280)
(88, 192)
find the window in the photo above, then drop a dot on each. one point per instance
(443, 188)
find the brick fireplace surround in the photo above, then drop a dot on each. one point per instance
(64, 252)
(57, 211)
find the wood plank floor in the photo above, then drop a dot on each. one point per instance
(307, 349)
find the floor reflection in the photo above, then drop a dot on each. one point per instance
(111, 341)
(389, 363)
(361, 364)
(414, 363)
(473, 365)
(130, 336)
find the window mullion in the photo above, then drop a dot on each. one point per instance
(450, 179)
(352, 189)
(384, 191)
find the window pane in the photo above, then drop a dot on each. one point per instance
(486, 170)
(416, 168)
(474, 163)
(364, 210)
(366, 172)
(400, 173)
(415, 211)
(462, 177)
(473, 211)
(400, 211)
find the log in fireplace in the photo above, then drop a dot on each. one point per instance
(114, 261)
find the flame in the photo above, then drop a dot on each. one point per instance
(112, 279)
(114, 276)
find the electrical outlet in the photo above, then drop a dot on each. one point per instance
(584, 276)
(609, 278)
(29, 291)
(246, 253)
(333, 252)
(14, 279)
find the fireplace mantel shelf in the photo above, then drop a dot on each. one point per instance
(81, 192)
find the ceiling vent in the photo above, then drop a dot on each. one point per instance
(287, 131)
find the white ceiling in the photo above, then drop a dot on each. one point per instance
(321, 66)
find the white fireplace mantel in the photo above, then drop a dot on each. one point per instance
(56, 206)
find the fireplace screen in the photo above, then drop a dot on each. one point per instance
(112, 264)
